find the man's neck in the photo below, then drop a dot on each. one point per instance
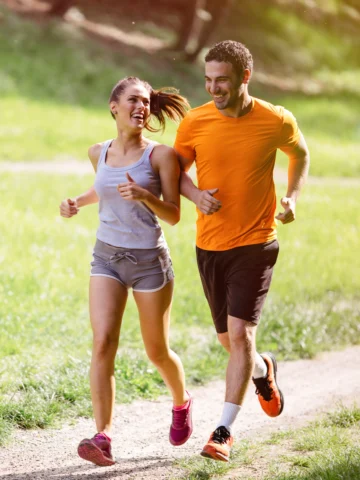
(242, 107)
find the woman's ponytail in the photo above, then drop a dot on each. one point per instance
(166, 102)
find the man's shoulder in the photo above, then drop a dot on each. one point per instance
(196, 115)
(268, 109)
(202, 110)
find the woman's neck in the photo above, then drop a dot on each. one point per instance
(126, 141)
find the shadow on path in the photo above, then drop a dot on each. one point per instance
(124, 468)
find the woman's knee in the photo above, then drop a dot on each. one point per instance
(105, 345)
(158, 354)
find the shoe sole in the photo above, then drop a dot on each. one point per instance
(90, 452)
(277, 386)
(215, 456)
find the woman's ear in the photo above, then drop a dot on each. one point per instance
(113, 108)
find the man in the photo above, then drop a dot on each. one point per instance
(233, 139)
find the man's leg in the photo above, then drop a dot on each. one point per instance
(239, 341)
(264, 378)
(260, 366)
(241, 361)
(245, 275)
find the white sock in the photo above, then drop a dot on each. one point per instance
(260, 368)
(229, 415)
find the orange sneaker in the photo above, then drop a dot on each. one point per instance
(270, 396)
(219, 445)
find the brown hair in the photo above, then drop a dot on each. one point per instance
(165, 102)
(231, 52)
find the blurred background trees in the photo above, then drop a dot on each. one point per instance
(192, 24)
(268, 27)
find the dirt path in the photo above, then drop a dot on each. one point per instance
(140, 439)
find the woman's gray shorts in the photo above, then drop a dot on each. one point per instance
(140, 269)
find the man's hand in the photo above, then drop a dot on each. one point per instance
(206, 202)
(131, 190)
(68, 208)
(288, 215)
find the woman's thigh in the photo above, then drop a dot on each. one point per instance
(154, 312)
(107, 301)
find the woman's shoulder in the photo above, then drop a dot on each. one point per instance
(95, 150)
(94, 153)
(163, 157)
(163, 151)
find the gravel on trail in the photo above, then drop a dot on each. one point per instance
(141, 429)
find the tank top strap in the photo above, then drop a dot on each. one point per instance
(104, 149)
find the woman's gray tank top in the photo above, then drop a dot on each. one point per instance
(127, 223)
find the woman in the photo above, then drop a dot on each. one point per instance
(132, 173)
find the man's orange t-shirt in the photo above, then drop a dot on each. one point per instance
(237, 156)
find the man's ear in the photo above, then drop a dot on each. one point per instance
(247, 75)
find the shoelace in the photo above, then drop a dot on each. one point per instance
(119, 256)
(220, 435)
(179, 418)
(263, 388)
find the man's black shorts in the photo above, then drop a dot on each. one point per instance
(236, 281)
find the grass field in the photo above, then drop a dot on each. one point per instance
(52, 110)
(46, 339)
(327, 449)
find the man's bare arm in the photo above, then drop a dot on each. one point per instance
(299, 162)
(203, 199)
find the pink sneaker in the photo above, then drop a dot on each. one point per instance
(181, 426)
(97, 450)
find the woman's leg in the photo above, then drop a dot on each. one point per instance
(154, 311)
(107, 303)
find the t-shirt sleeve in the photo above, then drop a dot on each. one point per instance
(183, 141)
(289, 133)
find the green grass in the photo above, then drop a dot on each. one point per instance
(51, 131)
(332, 131)
(46, 340)
(55, 83)
(53, 110)
(197, 468)
(324, 450)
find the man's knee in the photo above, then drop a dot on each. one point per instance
(241, 332)
(224, 340)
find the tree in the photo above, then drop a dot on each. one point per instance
(196, 20)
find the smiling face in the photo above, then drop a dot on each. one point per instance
(224, 86)
(132, 108)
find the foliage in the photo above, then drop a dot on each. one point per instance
(53, 110)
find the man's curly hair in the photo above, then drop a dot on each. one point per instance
(231, 52)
